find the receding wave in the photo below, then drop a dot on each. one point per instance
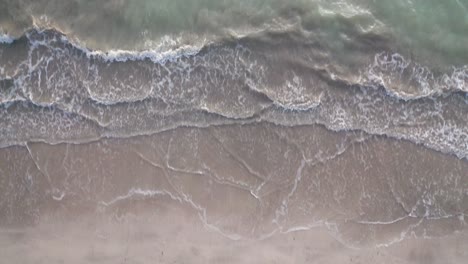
(278, 77)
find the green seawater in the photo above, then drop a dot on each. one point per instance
(431, 29)
(433, 32)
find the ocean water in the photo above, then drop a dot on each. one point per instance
(259, 119)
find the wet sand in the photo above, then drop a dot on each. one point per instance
(172, 235)
(255, 193)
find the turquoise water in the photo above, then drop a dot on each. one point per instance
(435, 32)
(430, 28)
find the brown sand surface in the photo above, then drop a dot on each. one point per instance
(233, 194)
(172, 235)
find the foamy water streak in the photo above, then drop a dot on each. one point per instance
(4, 38)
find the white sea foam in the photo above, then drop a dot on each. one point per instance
(153, 55)
(396, 73)
(4, 38)
(168, 49)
